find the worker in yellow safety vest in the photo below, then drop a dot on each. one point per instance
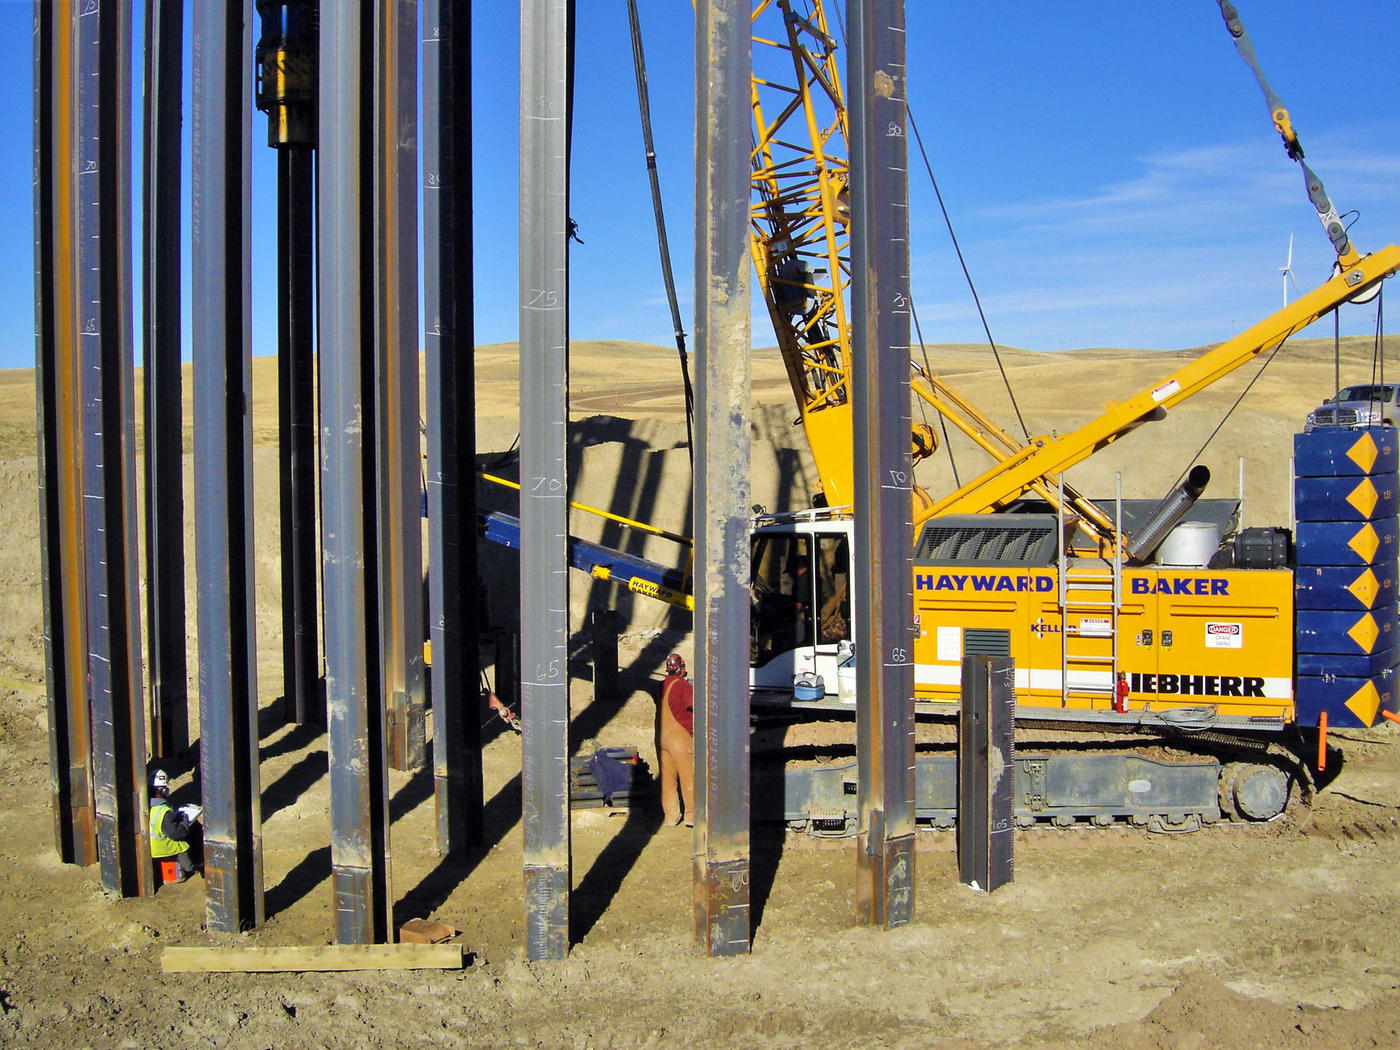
(172, 828)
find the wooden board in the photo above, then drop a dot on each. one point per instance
(325, 957)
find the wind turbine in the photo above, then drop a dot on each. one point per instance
(1287, 271)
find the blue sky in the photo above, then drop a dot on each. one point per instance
(1110, 169)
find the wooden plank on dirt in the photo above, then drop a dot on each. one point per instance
(326, 957)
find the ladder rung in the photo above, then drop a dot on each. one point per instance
(1087, 658)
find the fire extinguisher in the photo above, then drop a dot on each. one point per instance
(1120, 693)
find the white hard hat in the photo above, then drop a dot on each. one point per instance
(160, 780)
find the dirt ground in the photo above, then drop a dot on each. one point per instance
(1277, 935)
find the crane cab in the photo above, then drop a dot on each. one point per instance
(800, 589)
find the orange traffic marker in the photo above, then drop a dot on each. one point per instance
(1321, 741)
(1390, 715)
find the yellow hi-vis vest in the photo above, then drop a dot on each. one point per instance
(160, 845)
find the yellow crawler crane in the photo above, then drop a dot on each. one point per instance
(1014, 562)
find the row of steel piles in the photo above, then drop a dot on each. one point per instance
(367, 272)
(722, 853)
(83, 336)
(884, 476)
(367, 285)
(83, 241)
(366, 247)
(721, 870)
(368, 339)
(369, 430)
(87, 442)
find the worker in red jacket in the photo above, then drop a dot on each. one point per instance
(676, 738)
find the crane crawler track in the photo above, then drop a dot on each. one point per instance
(1243, 758)
(1062, 784)
(1225, 745)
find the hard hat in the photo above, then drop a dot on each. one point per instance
(159, 781)
(675, 664)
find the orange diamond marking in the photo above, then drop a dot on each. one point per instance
(1365, 632)
(1364, 703)
(1364, 453)
(1366, 542)
(1364, 497)
(1365, 588)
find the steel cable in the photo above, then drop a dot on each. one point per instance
(663, 245)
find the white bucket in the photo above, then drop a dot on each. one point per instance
(846, 684)
(846, 673)
(1190, 545)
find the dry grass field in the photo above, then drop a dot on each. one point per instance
(1278, 935)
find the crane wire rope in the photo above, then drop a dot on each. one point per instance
(1377, 352)
(967, 274)
(1377, 359)
(1336, 353)
(1380, 321)
(639, 66)
(1378, 355)
(1230, 411)
(942, 419)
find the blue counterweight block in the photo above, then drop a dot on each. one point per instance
(1346, 542)
(1344, 587)
(1338, 665)
(1346, 499)
(1334, 452)
(1350, 703)
(1346, 632)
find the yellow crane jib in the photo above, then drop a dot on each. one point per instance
(1016, 475)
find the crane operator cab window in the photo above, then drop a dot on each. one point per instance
(833, 589)
(800, 594)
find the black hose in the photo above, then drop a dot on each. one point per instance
(644, 105)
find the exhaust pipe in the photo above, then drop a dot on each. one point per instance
(1167, 513)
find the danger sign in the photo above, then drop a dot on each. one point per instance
(1224, 635)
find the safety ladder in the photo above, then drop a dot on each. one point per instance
(1089, 645)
